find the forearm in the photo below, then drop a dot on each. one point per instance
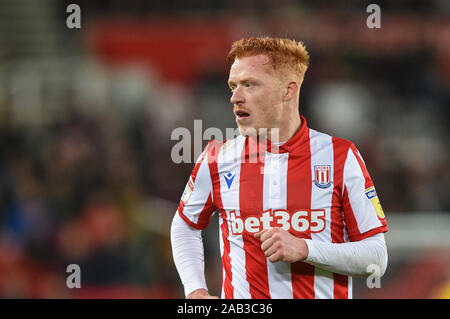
(351, 258)
(188, 254)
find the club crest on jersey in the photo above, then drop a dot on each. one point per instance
(322, 176)
(229, 179)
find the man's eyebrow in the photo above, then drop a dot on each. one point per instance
(247, 79)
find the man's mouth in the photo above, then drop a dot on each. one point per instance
(241, 114)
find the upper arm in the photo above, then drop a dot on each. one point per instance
(196, 205)
(363, 213)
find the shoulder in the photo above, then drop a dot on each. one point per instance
(340, 145)
(225, 148)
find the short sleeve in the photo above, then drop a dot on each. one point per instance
(196, 205)
(363, 214)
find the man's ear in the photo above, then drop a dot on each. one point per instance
(291, 91)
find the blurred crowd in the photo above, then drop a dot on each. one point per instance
(75, 193)
(88, 178)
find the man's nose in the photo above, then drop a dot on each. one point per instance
(237, 97)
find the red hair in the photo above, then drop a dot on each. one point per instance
(287, 56)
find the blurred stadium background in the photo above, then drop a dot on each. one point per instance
(86, 115)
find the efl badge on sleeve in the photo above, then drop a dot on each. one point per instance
(322, 176)
(188, 191)
(372, 195)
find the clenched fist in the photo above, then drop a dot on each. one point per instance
(278, 244)
(200, 294)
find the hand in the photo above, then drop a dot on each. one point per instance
(200, 294)
(278, 244)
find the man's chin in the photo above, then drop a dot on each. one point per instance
(248, 131)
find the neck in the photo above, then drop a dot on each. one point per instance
(287, 129)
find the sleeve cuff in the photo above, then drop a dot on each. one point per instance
(311, 251)
(369, 233)
(192, 286)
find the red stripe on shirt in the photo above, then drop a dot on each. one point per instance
(213, 152)
(299, 183)
(350, 219)
(226, 259)
(368, 179)
(370, 233)
(340, 150)
(206, 213)
(251, 203)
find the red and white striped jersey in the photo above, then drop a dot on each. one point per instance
(314, 185)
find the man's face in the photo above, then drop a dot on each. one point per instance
(256, 94)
